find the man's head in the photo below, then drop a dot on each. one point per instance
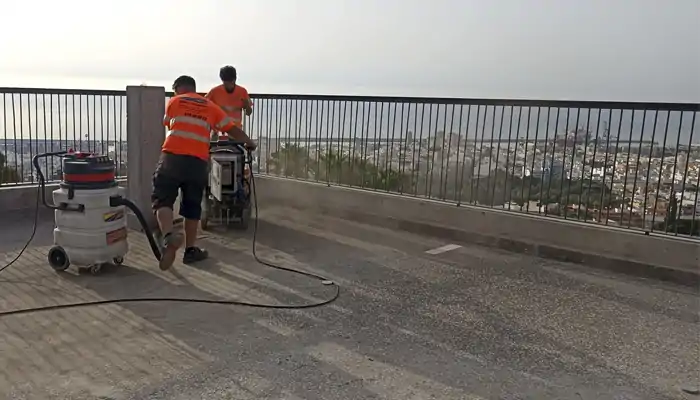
(184, 84)
(228, 78)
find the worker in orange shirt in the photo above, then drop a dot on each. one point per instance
(232, 98)
(184, 164)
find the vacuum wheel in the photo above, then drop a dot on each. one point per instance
(58, 259)
(118, 260)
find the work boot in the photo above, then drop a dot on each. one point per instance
(194, 254)
(171, 242)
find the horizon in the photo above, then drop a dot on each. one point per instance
(627, 50)
(35, 89)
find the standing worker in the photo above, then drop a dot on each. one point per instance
(232, 98)
(183, 165)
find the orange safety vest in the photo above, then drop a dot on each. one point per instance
(232, 103)
(189, 119)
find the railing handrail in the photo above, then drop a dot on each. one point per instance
(588, 104)
(88, 92)
(626, 105)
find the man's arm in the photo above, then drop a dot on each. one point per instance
(210, 96)
(247, 103)
(224, 123)
(240, 136)
(168, 113)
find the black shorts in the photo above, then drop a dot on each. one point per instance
(178, 172)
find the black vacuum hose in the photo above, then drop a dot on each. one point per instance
(40, 175)
(121, 201)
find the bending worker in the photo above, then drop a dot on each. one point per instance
(183, 165)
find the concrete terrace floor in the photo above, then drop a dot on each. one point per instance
(471, 323)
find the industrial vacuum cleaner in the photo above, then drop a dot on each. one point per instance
(90, 213)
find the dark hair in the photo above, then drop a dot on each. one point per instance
(184, 80)
(227, 73)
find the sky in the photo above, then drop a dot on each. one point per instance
(633, 50)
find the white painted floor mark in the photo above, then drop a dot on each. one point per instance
(443, 249)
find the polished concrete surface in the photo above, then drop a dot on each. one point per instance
(466, 323)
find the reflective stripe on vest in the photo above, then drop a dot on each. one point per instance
(188, 135)
(231, 108)
(225, 122)
(192, 121)
(237, 111)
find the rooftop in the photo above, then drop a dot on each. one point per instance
(470, 323)
(428, 213)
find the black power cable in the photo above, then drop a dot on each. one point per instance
(31, 237)
(324, 281)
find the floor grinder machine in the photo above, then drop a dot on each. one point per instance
(90, 213)
(228, 195)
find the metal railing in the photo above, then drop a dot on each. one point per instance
(630, 165)
(34, 121)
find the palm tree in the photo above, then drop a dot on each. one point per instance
(290, 161)
(337, 167)
(7, 174)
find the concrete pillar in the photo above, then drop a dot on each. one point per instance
(145, 107)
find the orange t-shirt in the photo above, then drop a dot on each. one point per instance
(232, 103)
(189, 119)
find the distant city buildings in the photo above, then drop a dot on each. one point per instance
(639, 179)
(19, 153)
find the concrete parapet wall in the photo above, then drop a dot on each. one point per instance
(16, 198)
(673, 259)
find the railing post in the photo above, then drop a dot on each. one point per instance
(145, 106)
